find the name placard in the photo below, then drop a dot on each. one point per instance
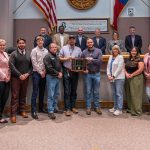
(88, 25)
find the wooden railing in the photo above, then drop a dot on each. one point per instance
(106, 57)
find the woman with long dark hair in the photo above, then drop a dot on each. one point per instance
(134, 67)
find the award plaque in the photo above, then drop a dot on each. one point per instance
(79, 64)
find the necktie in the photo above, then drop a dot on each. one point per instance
(22, 52)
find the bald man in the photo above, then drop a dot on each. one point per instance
(99, 41)
(81, 39)
(53, 75)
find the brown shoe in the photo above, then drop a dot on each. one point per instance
(98, 111)
(88, 111)
(74, 110)
(24, 114)
(148, 113)
(68, 113)
(13, 119)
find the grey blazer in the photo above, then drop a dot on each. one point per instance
(111, 43)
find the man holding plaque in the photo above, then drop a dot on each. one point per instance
(70, 78)
(92, 76)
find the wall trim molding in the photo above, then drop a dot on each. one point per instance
(81, 104)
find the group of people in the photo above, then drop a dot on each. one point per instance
(51, 59)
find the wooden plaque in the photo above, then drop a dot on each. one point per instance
(79, 64)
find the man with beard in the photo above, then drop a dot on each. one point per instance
(70, 78)
(21, 67)
(92, 76)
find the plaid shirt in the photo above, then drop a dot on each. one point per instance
(37, 56)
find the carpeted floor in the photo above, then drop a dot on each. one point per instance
(79, 132)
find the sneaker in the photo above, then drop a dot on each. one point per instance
(117, 112)
(3, 121)
(112, 110)
(88, 111)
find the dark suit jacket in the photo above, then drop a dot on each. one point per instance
(47, 41)
(101, 45)
(83, 42)
(137, 43)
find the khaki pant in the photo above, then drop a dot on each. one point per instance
(134, 94)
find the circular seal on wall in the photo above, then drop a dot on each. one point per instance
(82, 4)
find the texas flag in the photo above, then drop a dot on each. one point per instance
(117, 9)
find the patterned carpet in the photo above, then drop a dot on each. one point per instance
(78, 132)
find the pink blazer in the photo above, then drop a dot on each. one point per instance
(145, 63)
(146, 69)
(4, 66)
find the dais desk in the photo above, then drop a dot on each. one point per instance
(106, 57)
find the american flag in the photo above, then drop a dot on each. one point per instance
(48, 7)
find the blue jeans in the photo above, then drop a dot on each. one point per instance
(148, 92)
(53, 92)
(117, 90)
(92, 85)
(38, 86)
